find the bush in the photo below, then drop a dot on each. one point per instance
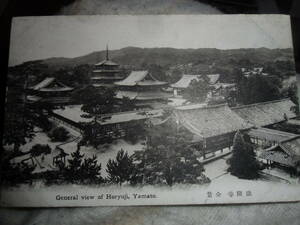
(44, 123)
(39, 149)
(16, 174)
(59, 134)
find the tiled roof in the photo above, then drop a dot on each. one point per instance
(210, 121)
(140, 78)
(271, 134)
(107, 62)
(266, 113)
(186, 79)
(277, 156)
(124, 117)
(143, 95)
(45, 85)
(292, 147)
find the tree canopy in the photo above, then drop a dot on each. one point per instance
(257, 88)
(198, 90)
(168, 159)
(243, 163)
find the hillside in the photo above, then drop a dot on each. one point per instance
(137, 57)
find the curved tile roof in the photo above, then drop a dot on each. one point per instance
(266, 113)
(210, 121)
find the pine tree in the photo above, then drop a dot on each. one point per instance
(72, 171)
(82, 170)
(91, 170)
(121, 169)
(168, 158)
(243, 163)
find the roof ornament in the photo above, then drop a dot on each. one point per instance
(107, 52)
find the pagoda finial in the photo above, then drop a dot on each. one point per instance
(106, 51)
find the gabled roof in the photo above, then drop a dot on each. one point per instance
(213, 78)
(186, 79)
(277, 155)
(266, 113)
(210, 121)
(271, 134)
(140, 78)
(107, 63)
(143, 95)
(125, 117)
(51, 84)
(292, 147)
(286, 152)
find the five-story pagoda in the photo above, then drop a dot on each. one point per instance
(106, 72)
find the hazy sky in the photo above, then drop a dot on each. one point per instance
(70, 36)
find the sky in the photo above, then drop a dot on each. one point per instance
(34, 38)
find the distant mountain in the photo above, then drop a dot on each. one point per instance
(137, 57)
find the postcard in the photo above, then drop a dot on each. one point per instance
(150, 110)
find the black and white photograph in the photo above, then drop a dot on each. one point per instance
(150, 110)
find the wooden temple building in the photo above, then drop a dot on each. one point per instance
(213, 127)
(50, 90)
(106, 72)
(285, 155)
(114, 124)
(265, 114)
(142, 87)
(182, 84)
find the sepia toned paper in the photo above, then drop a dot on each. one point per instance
(150, 110)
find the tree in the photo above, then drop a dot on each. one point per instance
(243, 163)
(36, 151)
(292, 93)
(99, 102)
(82, 170)
(198, 89)
(257, 88)
(91, 170)
(59, 134)
(125, 104)
(134, 131)
(39, 149)
(18, 123)
(168, 158)
(121, 169)
(16, 173)
(43, 122)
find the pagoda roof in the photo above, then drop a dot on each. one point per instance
(266, 113)
(50, 84)
(140, 78)
(107, 63)
(186, 79)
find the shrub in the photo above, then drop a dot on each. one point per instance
(39, 149)
(59, 134)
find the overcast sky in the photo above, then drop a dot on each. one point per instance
(61, 36)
